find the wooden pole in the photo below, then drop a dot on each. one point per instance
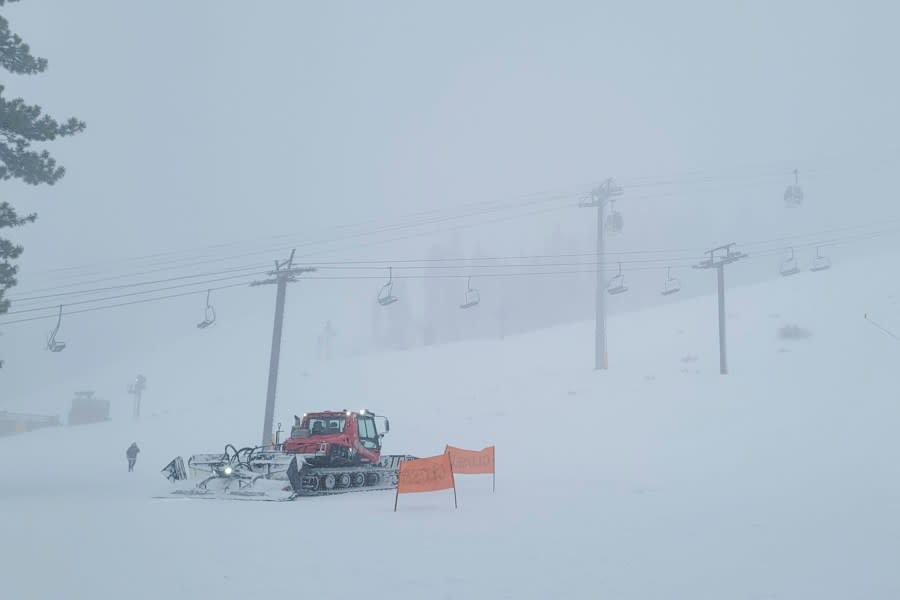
(396, 496)
(453, 479)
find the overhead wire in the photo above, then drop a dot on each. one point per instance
(543, 269)
(455, 228)
(493, 205)
(498, 207)
(130, 303)
(203, 285)
(399, 262)
(673, 258)
(301, 245)
(243, 270)
(292, 237)
(881, 327)
(878, 223)
(306, 241)
(776, 169)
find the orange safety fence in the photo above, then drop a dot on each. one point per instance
(425, 475)
(471, 462)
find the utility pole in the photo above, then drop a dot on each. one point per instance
(718, 258)
(285, 272)
(599, 198)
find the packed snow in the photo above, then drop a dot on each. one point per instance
(659, 478)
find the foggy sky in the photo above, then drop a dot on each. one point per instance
(218, 121)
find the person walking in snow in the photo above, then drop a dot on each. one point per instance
(132, 453)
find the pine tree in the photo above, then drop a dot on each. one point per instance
(21, 125)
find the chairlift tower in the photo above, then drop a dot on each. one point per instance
(285, 272)
(599, 198)
(136, 389)
(325, 340)
(718, 258)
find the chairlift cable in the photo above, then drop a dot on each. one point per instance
(749, 244)
(885, 330)
(249, 270)
(132, 294)
(496, 275)
(132, 302)
(626, 252)
(271, 250)
(816, 243)
(497, 206)
(513, 201)
(359, 234)
(294, 243)
(688, 177)
(543, 269)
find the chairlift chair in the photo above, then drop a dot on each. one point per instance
(472, 297)
(793, 194)
(52, 344)
(820, 263)
(385, 295)
(672, 285)
(617, 285)
(789, 266)
(210, 315)
(614, 222)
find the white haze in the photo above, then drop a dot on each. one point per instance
(220, 122)
(222, 134)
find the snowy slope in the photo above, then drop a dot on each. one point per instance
(656, 479)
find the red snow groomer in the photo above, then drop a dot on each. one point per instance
(327, 453)
(341, 451)
(336, 439)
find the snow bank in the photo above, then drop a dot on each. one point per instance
(656, 479)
